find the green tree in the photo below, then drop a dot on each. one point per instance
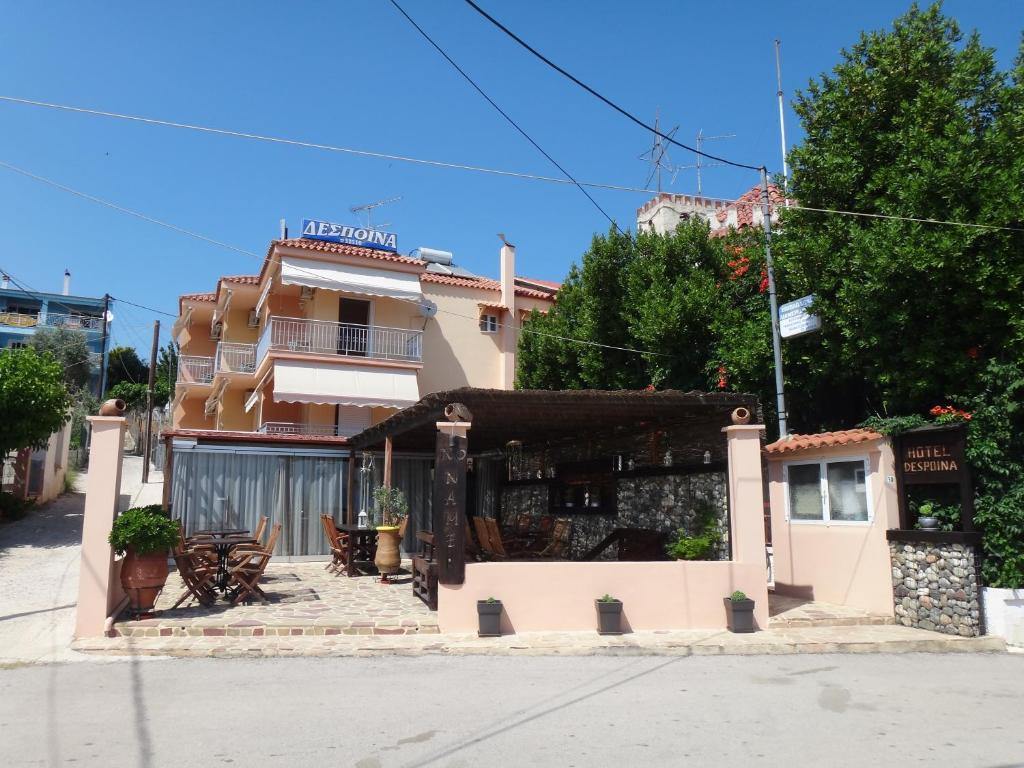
(124, 364)
(166, 375)
(695, 305)
(70, 349)
(34, 399)
(915, 121)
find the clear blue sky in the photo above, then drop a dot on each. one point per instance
(356, 74)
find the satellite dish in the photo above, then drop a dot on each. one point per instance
(428, 308)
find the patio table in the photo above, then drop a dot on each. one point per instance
(362, 546)
(223, 542)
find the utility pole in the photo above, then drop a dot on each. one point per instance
(782, 123)
(149, 401)
(103, 348)
(773, 303)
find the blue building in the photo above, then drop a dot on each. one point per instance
(23, 313)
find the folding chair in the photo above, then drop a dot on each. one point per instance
(246, 571)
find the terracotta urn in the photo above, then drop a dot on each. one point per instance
(112, 407)
(389, 558)
(143, 577)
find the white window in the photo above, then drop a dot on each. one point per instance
(828, 491)
(489, 323)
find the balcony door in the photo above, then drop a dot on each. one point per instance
(354, 331)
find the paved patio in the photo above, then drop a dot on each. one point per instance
(303, 599)
(785, 611)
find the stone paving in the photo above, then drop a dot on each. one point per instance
(303, 599)
(785, 611)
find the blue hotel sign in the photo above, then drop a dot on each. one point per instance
(313, 229)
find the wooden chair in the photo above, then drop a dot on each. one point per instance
(558, 547)
(197, 571)
(470, 546)
(494, 536)
(338, 542)
(483, 536)
(424, 570)
(261, 528)
(246, 571)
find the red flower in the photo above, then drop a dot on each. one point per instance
(972, 353)
(649, 388)
(937, 410)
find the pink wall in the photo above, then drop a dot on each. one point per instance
(99, 586)
(842, 564)
(553, 596)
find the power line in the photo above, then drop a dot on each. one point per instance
(917, 219)
(122, 209)
(503, 113)
(143, 306)
(594, 93)
(324, 147)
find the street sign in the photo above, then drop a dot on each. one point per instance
(795, 320)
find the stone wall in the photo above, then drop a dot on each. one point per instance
(935, 586)
(663, 503)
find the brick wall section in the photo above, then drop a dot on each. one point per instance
(935, 587)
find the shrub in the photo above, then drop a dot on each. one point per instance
(607, 599)
(701, 546)
(70, 476)
(737, 596)
(389, 506)
(143, 529)
(13, 508)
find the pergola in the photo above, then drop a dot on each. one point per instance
(480, 421)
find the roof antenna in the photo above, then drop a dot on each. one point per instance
(368, 209)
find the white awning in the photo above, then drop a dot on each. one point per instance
(366, 281)
(298, 381)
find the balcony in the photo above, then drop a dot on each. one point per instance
(72, 322)
(322, 337)
(235, 358)
(292, 428)
(195, 370)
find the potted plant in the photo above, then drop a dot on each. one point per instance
(390, 510)
(609, 615)
(489, 615)
(926, 518)
(739, 610)
(143, 535)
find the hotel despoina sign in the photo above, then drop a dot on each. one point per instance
(313, 229)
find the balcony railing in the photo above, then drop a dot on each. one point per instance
(235, 358)
(291, 334)
(292, 428)
(51, 320)
(74, 322)
(195, 370)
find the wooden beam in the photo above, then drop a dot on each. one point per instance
(388, 451)
(350, 494)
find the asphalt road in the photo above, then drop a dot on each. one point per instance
(829, 710)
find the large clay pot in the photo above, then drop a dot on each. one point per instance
(143, 578)
(389, 558)
(112, 407)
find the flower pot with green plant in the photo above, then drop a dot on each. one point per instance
(143, 535)
(739, 611)
(489, 615)
(390, 510)
(926, 519)
(609, 615)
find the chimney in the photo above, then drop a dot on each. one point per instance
(508, 276)
(67, 283)
(284, 229)
(5, 281)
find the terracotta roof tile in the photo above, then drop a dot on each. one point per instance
(198, 297)
(480, 282)
(243, 279)
(543, 283)
(347, 250)
(793, 443)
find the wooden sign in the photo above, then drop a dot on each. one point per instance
(929, 457)
(450, 507)
(934, 456)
